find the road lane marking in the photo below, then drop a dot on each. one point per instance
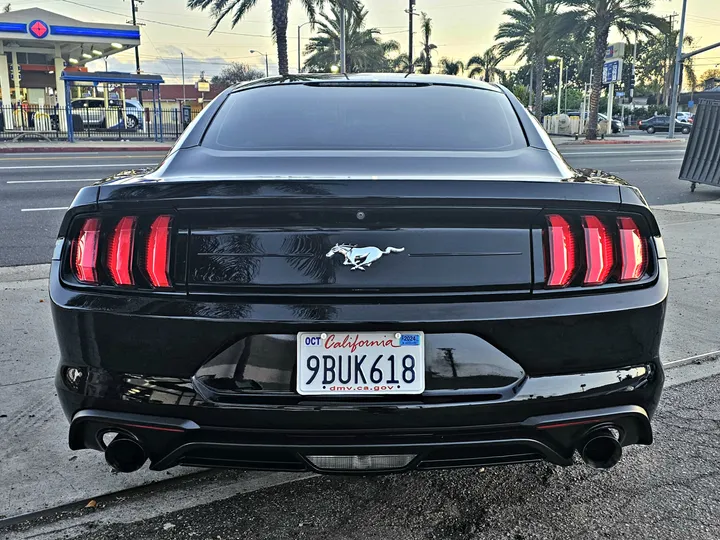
(654, 160)
(93, 166)
(52, 181)
(43, 209)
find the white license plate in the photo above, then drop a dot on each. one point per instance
(360, 363)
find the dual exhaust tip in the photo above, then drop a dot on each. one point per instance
(600, 449)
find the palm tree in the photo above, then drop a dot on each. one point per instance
(427, 47)
(533, 32)
(486, 64)
(364, 50)
(451, 67)
(628, 16)
(219, 9)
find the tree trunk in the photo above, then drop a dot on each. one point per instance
(601, 39)
(280, 25)
(539, 67)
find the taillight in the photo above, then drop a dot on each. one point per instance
(85, 252)
(120, 251)
(561, 251)
(593, 251)
(633, 249)
(157, 254)
(598, 251)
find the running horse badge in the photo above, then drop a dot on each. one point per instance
(360, 258)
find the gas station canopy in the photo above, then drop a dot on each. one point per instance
(36, 41)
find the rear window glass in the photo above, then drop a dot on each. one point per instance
(306, 117)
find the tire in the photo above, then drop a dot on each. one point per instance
(686, 130)
(650, 130)
(131, 122)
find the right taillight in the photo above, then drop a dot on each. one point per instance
(633, 250)
(157, 254)
(85, 252)
(593, 250)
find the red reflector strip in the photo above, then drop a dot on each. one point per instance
(561, 252)
(120, 251)
(598, 251)
(157, 256)
(568, 424)
(85, 250)
(633, 250)
(154, 428)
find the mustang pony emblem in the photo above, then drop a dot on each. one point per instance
(359, 258)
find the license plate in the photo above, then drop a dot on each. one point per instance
(360, 363)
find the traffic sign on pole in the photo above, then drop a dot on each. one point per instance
(612, 71)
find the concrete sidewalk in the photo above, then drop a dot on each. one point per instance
(638, 137)
(38, 471)
(41, 147)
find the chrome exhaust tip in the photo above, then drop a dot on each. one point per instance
(601, 449)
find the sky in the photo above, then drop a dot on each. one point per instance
(461, 28)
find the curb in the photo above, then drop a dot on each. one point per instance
(604, 142)
(73, 149)
(9, 274)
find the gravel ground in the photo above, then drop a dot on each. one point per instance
(669, 490)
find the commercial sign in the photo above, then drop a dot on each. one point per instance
(612, 71)
(616, 50)
(202, 86)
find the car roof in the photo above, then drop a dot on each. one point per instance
(368, 78)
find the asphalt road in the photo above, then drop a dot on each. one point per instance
(35, 189)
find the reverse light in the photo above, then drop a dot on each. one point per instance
(157, 254)
(120, 251)
(85, 252)
(633, 250)
(598, 251)
(561, 251)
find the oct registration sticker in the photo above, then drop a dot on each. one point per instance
(360, 363)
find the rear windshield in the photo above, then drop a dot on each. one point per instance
(306, 117)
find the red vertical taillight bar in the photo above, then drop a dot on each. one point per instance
(598, 251)
(120, 251)
(85, 252)
(157, 254)
(561, 252)
(633, 250)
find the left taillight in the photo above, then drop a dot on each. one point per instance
(127, 251)
(84, 255)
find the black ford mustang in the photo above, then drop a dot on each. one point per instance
(359, 274)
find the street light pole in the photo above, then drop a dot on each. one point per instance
(343, 31)
(182, 63)
(678, 68)
(411, 14)
(267, 66)
(300, 47)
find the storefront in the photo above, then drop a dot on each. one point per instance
(36, 46)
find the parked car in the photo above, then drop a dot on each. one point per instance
(687, 117)
(617, 125)
(313, 279)
(662, 123)
(93, 112)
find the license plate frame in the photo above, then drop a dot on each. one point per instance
(340, 345)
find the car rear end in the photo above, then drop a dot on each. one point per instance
(359, 310)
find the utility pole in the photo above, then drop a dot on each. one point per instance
(411, 14)
(678, 69)
(343, 31)
(137, 48)
(632, 79)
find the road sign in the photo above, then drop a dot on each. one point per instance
(612, 71)
(691, 104)
(616, 50)
(619, 94)
(202, 86)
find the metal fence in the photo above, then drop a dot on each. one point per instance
(103, 124)
(701, 164)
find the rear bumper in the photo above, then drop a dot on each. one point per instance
(173, 441)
